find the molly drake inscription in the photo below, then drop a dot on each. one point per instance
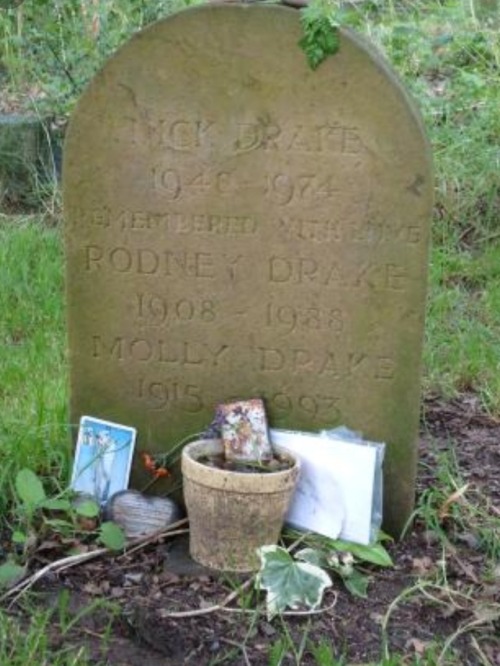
(338, 365)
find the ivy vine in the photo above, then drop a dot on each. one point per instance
(320, 27)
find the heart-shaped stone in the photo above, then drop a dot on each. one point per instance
(139, 515)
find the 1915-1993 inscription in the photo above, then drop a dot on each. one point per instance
(239, 226)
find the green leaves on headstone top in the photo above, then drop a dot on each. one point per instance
(320, 32)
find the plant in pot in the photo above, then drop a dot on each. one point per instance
(237, 489)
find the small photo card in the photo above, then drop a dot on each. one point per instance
(244, 430)
(103, 458)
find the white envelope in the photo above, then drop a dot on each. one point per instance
(335, 491)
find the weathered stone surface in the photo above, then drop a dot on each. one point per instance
(238, 226)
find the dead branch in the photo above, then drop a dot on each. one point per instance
(74, 560)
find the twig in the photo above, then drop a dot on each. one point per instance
(463, 629)
(141, 543)
(95, 634)
(450, 602)
(157, 537)
(467, 571)
(484, 659)
(233, 595)
(241, 647)
(249, 611)
(58, 565)
(73, 560)
(408, 592)
(304, 613)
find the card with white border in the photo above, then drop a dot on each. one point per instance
(103, 458)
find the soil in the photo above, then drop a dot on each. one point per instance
(275, 464)
(145, 586)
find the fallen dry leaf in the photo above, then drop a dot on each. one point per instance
(204, 603)
(422, 565)
(419, 646)
(451, 499)
(491, 591)
(49, 545)
(92, 589)
(487, 612)
(467, 569)
(448, 611)
(378, 618)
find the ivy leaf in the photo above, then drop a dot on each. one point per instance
(289, 583)
(355, 582)
(313, 556)
(112, 536)
(320, 33)
(29, 489)
(10, 574)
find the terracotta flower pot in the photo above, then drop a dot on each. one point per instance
(230, 513)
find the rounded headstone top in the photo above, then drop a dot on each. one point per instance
(233, 61)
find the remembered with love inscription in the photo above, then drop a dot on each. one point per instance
(238, 225)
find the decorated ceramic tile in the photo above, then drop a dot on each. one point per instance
(244, 430)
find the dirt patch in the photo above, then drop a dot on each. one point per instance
(133, 595)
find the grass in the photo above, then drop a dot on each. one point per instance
(470, 512)
(463, 322)
(51, 52)
(33, 395)
(451, 62)
(44, 638)
(28, 642)
(448, 53)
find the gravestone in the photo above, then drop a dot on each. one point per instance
(238, 225)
